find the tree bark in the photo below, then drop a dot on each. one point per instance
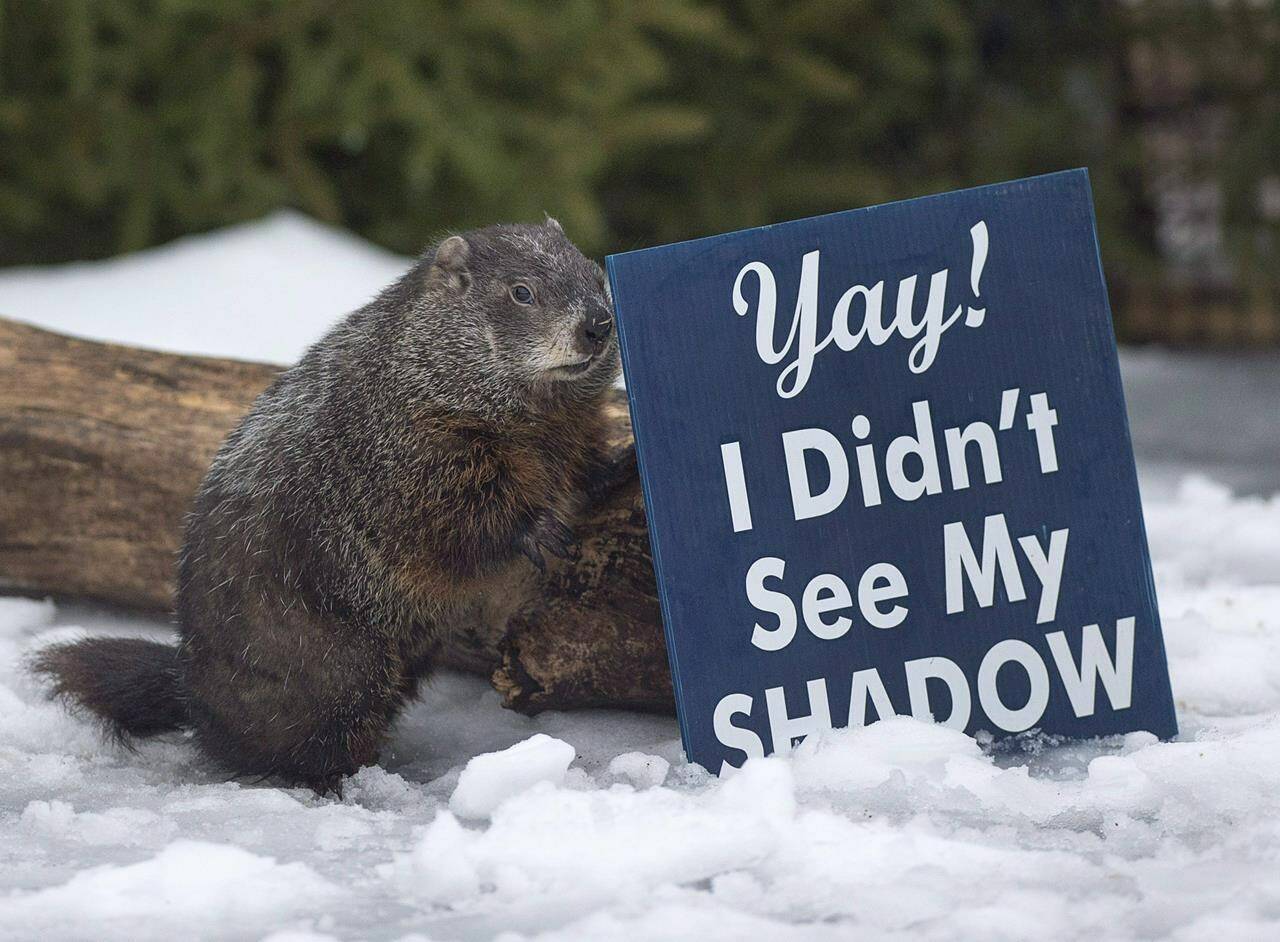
(101, 450)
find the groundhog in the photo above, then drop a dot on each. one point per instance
(446, 430)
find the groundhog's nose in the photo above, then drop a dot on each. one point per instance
(597, 328)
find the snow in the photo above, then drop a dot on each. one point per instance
(640, 770)
(212, 882)
(258, 291)
(593, 826)
(491, 778)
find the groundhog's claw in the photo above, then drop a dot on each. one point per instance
(548, 533)
(326, 784)
(533, 554)
(558, 538)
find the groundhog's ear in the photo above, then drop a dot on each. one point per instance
(554, 223)
(450, 264)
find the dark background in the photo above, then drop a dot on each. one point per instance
(126, 123)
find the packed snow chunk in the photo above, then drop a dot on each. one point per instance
(188, 880)
(641, 770)
(901, 764)
(587, 847)
(444, 866)
(493, 777)
(376, 789)
(863, 757)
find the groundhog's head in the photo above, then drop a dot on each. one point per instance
(542, 308)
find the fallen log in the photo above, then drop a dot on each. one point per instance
(102, 447)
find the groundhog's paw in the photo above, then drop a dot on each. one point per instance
(611, 472)
(547, 534)
(326, 784)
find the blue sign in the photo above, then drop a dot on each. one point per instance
(887, 469)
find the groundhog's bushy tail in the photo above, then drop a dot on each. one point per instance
(131, 684)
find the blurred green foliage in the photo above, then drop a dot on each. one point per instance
(124, 123)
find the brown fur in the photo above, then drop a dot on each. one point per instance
(437, 437)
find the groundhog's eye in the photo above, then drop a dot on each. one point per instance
(521, 294)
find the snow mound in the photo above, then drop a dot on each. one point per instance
(258, 291)
(494, 777)
(600, 844)
(891, 827)
(188, 880)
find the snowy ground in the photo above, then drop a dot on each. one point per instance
(898, 830)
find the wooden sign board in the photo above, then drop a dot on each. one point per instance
(887, 469)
